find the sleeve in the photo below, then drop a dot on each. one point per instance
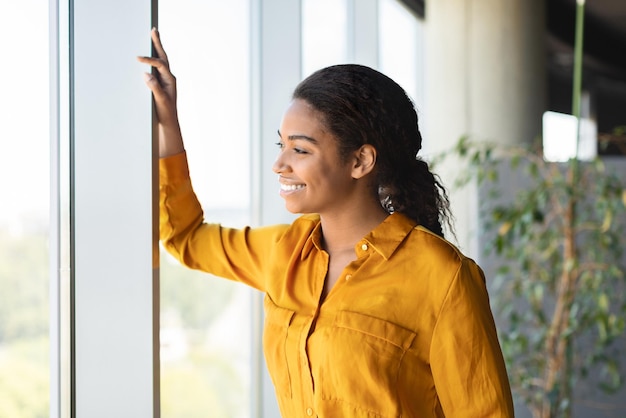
(466, 359)
(236, 254)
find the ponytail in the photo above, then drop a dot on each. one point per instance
(418, 193)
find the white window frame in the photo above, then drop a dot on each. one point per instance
(104, 219)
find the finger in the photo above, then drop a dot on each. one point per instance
(152, 61)
(158, 63)
(154, 86)
(158, 46)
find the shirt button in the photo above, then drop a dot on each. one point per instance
(348, 276)
(309, 411)
(364, 247)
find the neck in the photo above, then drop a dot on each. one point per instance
(342, 231)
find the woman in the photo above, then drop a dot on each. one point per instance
(369, 311)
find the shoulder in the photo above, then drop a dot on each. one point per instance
(436, 247)
(443, 259)
(448, 274)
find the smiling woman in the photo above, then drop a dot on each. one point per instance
(341, 282)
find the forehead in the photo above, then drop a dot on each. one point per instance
(301, 116)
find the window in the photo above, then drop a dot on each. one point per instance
(401, 47)
(206, 321)
(324, 34)
(24, 211)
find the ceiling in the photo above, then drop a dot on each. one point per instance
(611, 12)
(604, 42)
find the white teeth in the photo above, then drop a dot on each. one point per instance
(291, 187)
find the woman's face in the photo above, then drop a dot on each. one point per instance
(313, 178)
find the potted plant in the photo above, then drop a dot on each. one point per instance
(559, 289)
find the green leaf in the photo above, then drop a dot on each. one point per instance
(603, 302)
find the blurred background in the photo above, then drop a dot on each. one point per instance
(488, 69)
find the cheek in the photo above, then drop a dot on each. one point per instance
(323, 171)
(338, 179)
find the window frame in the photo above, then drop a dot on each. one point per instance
(104, 298)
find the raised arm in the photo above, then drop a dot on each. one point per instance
(162, 83)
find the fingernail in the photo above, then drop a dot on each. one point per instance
(147, 77)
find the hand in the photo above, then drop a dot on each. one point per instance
(162, 83)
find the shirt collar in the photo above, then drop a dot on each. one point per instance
(388, 236)
(314, 240)
(385, 238)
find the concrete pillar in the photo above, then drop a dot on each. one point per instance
(484, 77)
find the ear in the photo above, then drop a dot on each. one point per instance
(364, 161)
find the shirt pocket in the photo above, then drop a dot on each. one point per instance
(362, 361)
(277, 321)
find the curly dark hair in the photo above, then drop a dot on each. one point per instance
(360, 105)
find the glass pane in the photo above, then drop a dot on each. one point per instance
(24, 210)
(324, 34)
(206, 321)
(401, 47)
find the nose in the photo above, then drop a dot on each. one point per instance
(279, 165)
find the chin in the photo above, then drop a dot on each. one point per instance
(296, 210)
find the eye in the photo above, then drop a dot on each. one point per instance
(281, 145)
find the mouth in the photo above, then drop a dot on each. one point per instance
(291, 187)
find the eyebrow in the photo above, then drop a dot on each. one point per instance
(293, 137)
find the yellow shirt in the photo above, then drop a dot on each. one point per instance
(407, 330)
